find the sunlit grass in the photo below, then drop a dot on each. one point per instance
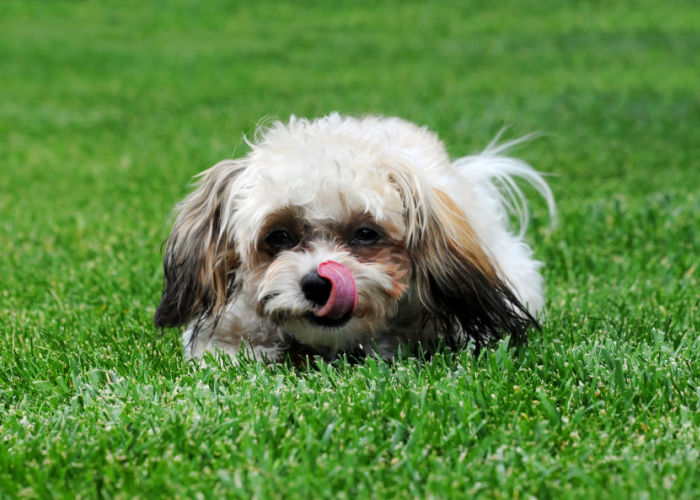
(107, 112)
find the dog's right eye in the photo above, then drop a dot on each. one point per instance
(280, 240)
(365, 236)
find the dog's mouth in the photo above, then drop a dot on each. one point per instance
(333, 289)
(328, 322)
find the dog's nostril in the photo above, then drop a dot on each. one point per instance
(315, 288)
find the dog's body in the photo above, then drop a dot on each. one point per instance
(351, 234)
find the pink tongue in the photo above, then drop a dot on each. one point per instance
(343, 297)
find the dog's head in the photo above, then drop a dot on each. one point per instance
(329, 228)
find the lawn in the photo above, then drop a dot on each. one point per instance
(108, 109)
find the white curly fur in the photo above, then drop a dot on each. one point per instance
(322, 175)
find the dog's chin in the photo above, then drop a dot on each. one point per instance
(327, 323)
(296, 320)
(322, 332)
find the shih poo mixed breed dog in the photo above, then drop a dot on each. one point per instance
(351, 235)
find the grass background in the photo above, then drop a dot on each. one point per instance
(108, 109)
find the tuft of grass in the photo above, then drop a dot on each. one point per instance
(110, 108)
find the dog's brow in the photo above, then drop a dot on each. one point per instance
(287, 218)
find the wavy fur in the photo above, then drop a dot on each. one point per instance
(440, 263)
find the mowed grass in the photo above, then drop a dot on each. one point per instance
(108, 109)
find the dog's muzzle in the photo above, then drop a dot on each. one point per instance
(333, 290)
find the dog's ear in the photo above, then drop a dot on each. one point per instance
(457, 280)
(200, 258)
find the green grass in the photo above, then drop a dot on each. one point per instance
(106, 113)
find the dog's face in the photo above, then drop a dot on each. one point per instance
(327, 231)
(322, 243)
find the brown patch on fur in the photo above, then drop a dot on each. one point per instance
(387, 252)
(394, 261)
(287, 219)
(344, 231)
(461, 238)
(200, 262)
(459, 284)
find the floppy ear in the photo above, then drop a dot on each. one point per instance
(457, 280)
(200, 259)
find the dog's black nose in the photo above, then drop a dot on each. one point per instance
(316, 288)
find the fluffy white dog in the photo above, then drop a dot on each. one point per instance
(351, 235)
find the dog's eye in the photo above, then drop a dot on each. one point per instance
(280, 240)
(365, 236)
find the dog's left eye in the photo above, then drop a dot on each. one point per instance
(280, 240)
(365, 236)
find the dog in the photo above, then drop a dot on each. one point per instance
(352, 235)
